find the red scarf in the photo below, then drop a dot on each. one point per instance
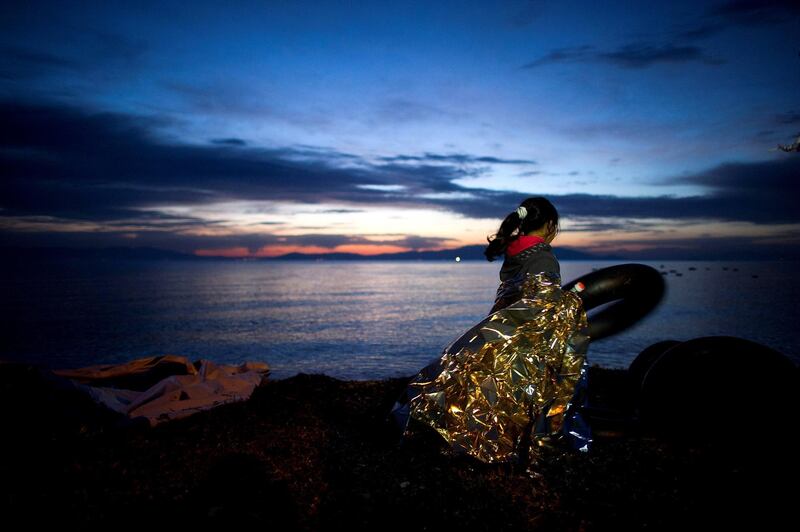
(522, 242)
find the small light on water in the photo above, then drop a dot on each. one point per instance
(458, 259)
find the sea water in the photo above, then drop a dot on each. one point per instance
(346, 319)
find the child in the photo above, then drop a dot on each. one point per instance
(518, 375)
(524, 237)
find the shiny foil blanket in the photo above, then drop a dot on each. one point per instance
(514, 379)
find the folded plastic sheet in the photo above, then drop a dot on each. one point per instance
(519, 377)
(160, 396)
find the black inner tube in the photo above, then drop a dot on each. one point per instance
(632, 290)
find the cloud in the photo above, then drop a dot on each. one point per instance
(740, 13)
(399, 110)
(593, 225)
(772, 207)
(71, 162)
(632, 56)
(331, 241)
(388, 188)
(189, 242)
(642, 55)
(570, 54)
(760, 192)
(311, 151)
(228, 99)
(756, 12)
(102, 168)
(229, 142)
(240, 101)
(24, 63)
(702, 31)
(787, 118)
(457, 158)
(99, 54)
(778, 175)
(708, 247)
(340, 211)
(417, 242)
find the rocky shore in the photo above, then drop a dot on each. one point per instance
(315, 453)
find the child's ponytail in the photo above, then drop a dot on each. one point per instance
(539, 212)
(499, 241)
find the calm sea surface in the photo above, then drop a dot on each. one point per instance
(348, 319)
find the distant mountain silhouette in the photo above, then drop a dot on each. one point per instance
(24, 255)
(475, 252)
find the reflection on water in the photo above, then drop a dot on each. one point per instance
(351, 319)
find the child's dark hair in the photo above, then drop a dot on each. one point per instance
(540, 212)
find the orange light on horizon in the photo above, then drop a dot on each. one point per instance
(276, 251)
(578, 241)
(370, 249)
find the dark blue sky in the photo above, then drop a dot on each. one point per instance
(267, 127)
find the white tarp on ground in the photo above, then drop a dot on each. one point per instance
(169, 386)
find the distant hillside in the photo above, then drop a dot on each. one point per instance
(475, 252)
(25, 255)
(465, 253)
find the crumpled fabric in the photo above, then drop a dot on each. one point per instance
(517, 378)
(167, 387)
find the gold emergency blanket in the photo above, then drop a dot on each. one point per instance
(511, 378)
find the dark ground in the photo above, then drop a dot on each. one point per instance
(316, 453)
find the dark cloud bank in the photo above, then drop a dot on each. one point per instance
(681, 44)
(115, 170)
(741, 13)
(633, 55)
